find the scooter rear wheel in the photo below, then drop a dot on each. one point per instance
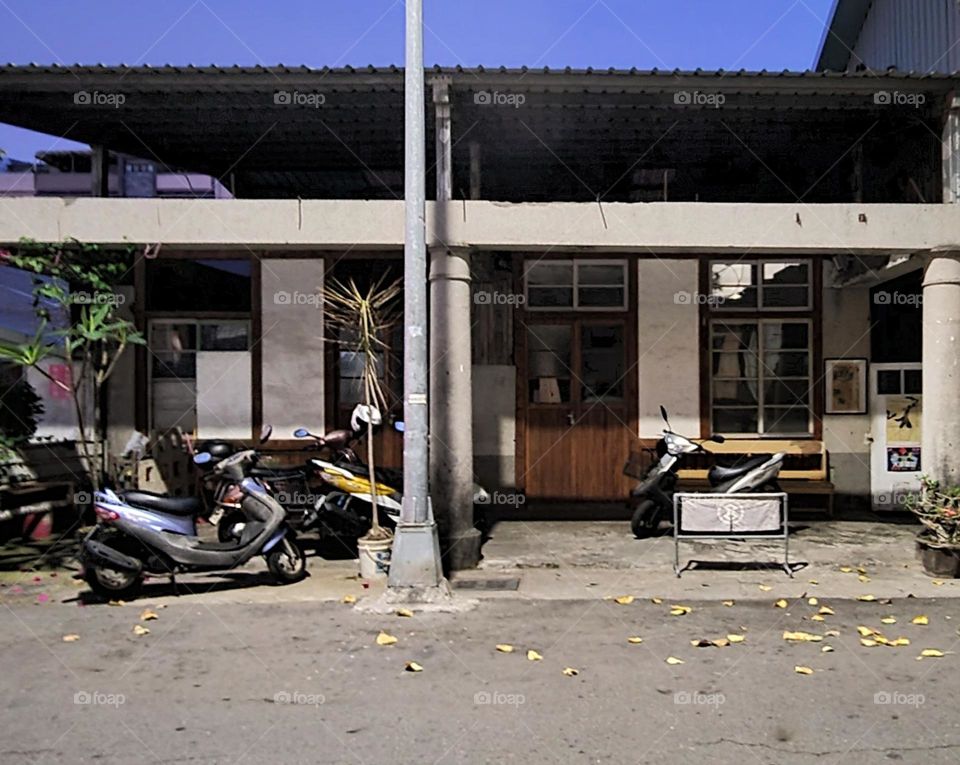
(111, 584)
(645, 519)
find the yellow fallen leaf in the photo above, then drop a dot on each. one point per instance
(504, 648)
(765, 587)
(116, 602)
(812, 602)
(674, 660)
(571, 672)
(735, 638)
(899, 642)
(635, 640)
(624, 600)
(846, 569)
(384, 639)
(888, 620)
(826, 611)
(803, 637)
(404, 612)
(412, 666)
(813, 581)
(728, 603)
(881, 639)
(818, 618)
(802, 670)
(866, 598)
(865, 631)
(348, 599)
(868, 642)
(534, 656)
(70, 638)
(932, 653)
(920, 620)
(680, 610)
(861, 570)
(720, 642)
(148, 616)
(936, 582)
(864, 578)
(656, 601)
(832, 633)
(826, 649)
(138, 630)
(781, 603)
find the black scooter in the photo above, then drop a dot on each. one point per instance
(158, 536)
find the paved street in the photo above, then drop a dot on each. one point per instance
(299, 682)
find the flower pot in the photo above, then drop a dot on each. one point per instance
(938, 560)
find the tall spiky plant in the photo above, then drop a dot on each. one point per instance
(360, 321)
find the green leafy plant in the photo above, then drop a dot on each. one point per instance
(937, 507)
(360, 321)
(78, 281)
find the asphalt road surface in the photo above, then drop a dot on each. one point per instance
(308, 683)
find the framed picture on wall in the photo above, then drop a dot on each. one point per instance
(846, 381)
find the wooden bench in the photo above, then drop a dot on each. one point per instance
(806, 467)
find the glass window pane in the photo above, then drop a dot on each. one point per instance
(229, 336)
(182, 365)
(913, 381)
(550, 297)
(888, 382)
(785, 297)
(734, 392)
(548, 363)
(732, 365)
(786, 392)
(173, 337)
(735, 337)
(199, 285)
(786, 273)
(550, 274)
(602, 363)
(789, 364)
(600, 297)
(786, 335)
(733, 285)
(600, 274)
(779, 420)
(735, 421)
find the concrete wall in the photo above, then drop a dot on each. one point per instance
(669, 341)
(292, 345)
(494, 425)
(846, 334)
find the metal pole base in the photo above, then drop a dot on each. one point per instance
(415, 559)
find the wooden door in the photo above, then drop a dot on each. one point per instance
(579, 410)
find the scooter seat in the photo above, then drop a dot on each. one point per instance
(276, 474)
(719, 474)
(172, 505)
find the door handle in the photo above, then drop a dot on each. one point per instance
(570, 418)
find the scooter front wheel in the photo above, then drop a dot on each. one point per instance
(287, 562)
(645, 519)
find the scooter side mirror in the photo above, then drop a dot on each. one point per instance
(203, 458)
(265, 432)
(301, 433)
(663, 413)
(717, 439)
(399, 426)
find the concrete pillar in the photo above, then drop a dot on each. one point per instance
(940, 457)
(99, 171)
(451, 408)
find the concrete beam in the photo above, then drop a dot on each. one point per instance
(669, 227)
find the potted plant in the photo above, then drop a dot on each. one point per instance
(359, 321)
(937, 507)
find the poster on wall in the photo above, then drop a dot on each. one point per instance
(846, 381)
(903, 459)
(903, 419)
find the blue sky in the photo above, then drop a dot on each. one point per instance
(711, 34)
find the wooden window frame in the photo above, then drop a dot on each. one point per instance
(574, 286)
